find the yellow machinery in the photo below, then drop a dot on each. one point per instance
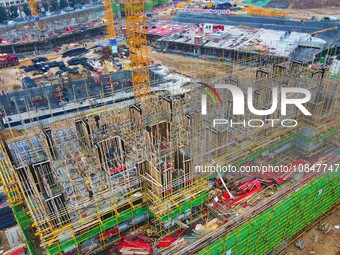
(110, 22)
(266, 12)
(323, 30)
(209, 5)
(180, 5)
(315, 66)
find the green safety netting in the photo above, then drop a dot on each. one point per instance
(268, 230)
(261, 3)
(148, 5)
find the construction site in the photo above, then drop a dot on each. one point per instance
(153, 151)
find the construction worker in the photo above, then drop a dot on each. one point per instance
(182, 95)
(89, 188)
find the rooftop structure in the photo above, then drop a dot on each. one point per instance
(215, 40)
(35, 106)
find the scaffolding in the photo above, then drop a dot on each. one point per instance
(110, 22)
(274, 228)
(81, 182)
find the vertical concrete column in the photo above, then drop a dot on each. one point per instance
(35, 48)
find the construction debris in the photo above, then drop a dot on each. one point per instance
(300, 244)
(325, 228)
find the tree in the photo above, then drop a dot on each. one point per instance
(3, 15)
(63, 4)
(27, 10)
(16, 87)
(45, 5)
(54, 5)
(74, 2)
(14, 11)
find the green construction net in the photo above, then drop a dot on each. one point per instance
(148, 5)
(261, 3)
(268, 230)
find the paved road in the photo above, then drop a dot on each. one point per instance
(264, 22)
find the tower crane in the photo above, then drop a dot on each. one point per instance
(35, 14)
(34, 8)
(110, 22)
(137, 44)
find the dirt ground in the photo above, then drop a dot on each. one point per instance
(308, 4)
(317, 242)
(185, 65)
(318, 13)
(305, 9)
(200, 68)
(11, 76)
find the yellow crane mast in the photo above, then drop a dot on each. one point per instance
(35, 14)
(34, 8)
(110, 22)
(137, 44)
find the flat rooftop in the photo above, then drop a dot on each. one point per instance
(240, 38)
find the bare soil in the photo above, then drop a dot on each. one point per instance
(200, 68)
(319, 13)
(317, 242)
(312, 4)
(303, 4)
(10, 77)
(305, 9)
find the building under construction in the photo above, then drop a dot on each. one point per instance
(157, 174)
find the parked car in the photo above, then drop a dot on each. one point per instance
(39, 59)
(76, 61)
(52, 64)
(43, 67)
(28, 83)
(88, 65)
(29, 69)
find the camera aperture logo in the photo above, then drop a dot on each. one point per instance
(238, 101)
(210, 91)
